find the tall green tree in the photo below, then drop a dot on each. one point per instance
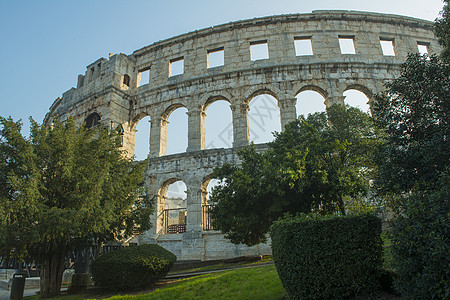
(313, 165)
(61, 186)
(414, 169)
(415, 113)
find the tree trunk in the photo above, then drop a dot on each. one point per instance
(341, 205)
(52, 271)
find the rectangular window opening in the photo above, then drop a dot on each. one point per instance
(423, 48)
(303, 46)
(347, 44)
(215, 58)
(387, 46)
(143, 77)
(176, 66)
(259, 50)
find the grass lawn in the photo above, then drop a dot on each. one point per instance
(254, 283)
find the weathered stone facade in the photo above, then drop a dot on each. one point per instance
(111, 88)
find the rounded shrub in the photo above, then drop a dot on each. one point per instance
(332, 257)
(132, 268)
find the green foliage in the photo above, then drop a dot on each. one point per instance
(415, 113)
(420, 244)
(132, 268)
(64, 185)
(327, 257)
(442, 30)
(312, 165)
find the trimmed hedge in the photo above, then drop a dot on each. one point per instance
(132, 268)
(332, 257)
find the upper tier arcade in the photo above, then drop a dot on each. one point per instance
(179, 74)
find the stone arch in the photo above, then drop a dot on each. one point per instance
(206, 207)
(362, 98)
(204, 187)
(264, 115)
(362, 88)
(218, 123)
(310, 99)
(208, 99)
(174, 140)
(92, 120)
(313, 87)
(170, 109)
(136, 119)
(140, 133)
(171, 211)
(258, 90)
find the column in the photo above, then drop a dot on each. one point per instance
(240, 124)
(196, 130)
(193, 247)
(158, 137)
(287, 111)
(194, 210)
(335, 98)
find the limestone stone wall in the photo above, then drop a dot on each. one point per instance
(112, 89)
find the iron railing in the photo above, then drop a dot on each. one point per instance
(206, 217)
(174, 220)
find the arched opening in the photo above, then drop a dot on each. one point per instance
(207, 187)
(357, 99)
(309, 102)
(172, 207)
(142, 139)
(177, 131)
(219, 125)
(126, 80)
(92, 120)
(263, 118)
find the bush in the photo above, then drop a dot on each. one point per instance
(420, 245)
(132, 268)
(328, 257)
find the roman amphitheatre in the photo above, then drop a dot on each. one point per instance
(303, 52)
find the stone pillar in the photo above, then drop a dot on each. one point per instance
(196, 130)
(194, 210)
(335, 98)
(193, 245)
(158, 137)
(240, 124)
(287, 111)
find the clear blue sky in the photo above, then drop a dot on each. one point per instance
(45, 44)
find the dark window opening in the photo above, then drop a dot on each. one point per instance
(126, 80)
(92, 120)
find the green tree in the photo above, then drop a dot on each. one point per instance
(420, 244)
(414, 169)
(415, 113)
(61, 186)
(313, 165)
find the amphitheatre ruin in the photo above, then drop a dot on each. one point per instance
(112, 94)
